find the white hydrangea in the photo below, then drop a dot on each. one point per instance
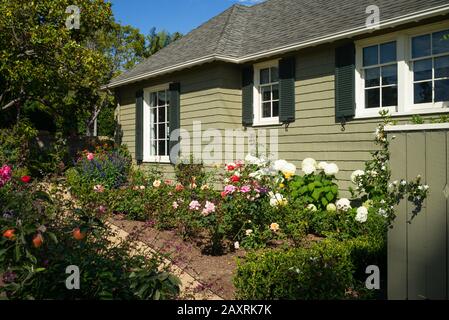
(322, 165)
(331, 169)
(362, 215)
(343, 204)
(356, 174)
(309, 162)
(289, 169)
(279, 165)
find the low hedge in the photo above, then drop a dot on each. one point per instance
(324, 271)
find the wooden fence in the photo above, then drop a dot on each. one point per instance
(418, 244)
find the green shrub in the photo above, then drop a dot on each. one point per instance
(40, 237)
(323, 271)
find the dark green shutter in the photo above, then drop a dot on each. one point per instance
(247, 96)
(139, 126)
(174, 118)
(287, 90)
(345, 81)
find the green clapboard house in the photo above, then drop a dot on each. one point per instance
(316, 72)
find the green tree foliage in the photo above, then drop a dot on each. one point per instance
(50, 70)
(44, 62)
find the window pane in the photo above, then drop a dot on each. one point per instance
(389, 96)
(266, 110)
(372, 97)
(152, 147)
(370, 56)
(274, 74)
(161, 98)
(421, 46)
(161, 148)
(388, 52)
(423, 92)
(161, 133)
(161, 115)
(442, 67)
(276, 109)
(372, 77)
(441, 90)
(423, 70)
(275, 89)
(264, 76)
(440, 42)
(266, 93)
(389, 75)
(153, 98)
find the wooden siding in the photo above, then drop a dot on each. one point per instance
(418, 244)
(212, 94)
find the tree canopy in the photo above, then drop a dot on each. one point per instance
(46, 66)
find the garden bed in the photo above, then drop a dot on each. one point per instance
(214, 272)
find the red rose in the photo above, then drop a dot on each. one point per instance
(224, 194)
(235, 179)
(230, 168)
(26, 179)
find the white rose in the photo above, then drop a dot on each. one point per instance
(248, 232)
(362, 215)
(236, 245)
(356, 174)
(343, 204)
(312, 207)
(331, 169)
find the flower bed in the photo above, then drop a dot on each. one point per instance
(269, 209)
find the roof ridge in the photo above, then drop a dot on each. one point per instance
(226, 24)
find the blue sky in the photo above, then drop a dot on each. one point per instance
(171, 15)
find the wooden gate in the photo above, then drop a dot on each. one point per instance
(418, 245)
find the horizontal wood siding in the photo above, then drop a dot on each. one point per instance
(212, 94)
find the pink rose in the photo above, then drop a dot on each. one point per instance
(194, 205)
(229, 189)
(90, 156)
(245, 189)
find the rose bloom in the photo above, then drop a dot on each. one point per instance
(26, 179)
(194, 205)
(224, 194)
(179, 187)
(245, 189)
(157, 183)
(90, 156)
(229, 189)
(168, 182)
(230, 167)
(235, 179)
(175, 205)
(274, 227)
(248, 232)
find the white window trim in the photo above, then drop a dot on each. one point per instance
(406, 104)
(147, 157)
(258, 120)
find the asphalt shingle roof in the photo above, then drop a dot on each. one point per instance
(241, 31)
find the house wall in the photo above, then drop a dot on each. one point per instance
(212, 94)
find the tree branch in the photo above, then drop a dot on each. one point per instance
(11, 103)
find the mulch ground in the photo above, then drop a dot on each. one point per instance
(213, 272)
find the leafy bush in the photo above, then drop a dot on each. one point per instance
(43, 233)
(323, 271)
(108, 168)
(19, 147)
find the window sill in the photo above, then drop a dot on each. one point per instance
(157, 160)
(410, 112)
(267, 124)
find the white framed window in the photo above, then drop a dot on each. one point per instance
(406, 72)
(266, 93)
(156, 130)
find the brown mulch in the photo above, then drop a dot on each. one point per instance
(214, 272)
